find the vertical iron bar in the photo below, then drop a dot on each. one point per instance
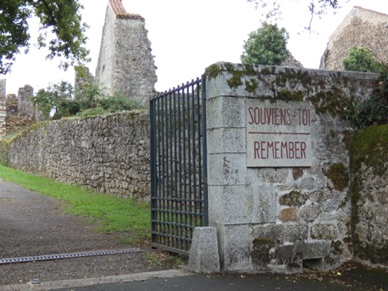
(176, 220)
(204, 144)
(193, 166)
(163, 169)
(159, 172)
(184, 162)
(171, 172)
(152, 166)
(180, 164)
(189, 200)
(199, 207)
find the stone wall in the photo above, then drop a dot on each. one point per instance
(109, 153)
(362, 28)
(20, 109)
(290, 61)
(3, 114)
(369, 195)
(296, 212)
(125, 65)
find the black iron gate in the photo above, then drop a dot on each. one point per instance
(178, 166)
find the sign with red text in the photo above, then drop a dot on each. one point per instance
(278, 133)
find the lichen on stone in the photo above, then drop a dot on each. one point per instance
(261, 249)
(338, 175)
(370, 146)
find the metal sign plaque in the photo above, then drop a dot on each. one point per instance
(278, 133)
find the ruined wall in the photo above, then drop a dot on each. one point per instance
(290, 61)
(276, 207)
(125, 65)
(20, 109)
(369, 195)
(109, 153)
(362, 28)
(3, 114)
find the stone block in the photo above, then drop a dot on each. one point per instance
(324, 231)
(226, 140)
(235, 247)
(223, 81)
(309, 213)
(285, 252)
(262, 251)
(230, 204)
(281, 233)
(3, 87)
(227, 169)
(242, 204)
(225, 112)
(313, 250)
(294, 198)
(288, 214)
(204, 256)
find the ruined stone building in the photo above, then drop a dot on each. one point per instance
(125, 65)
(3, 114)
(361, 28)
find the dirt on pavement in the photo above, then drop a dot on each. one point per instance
(33, 225)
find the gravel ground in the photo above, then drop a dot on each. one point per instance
(33, 225)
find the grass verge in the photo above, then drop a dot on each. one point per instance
(128, 219)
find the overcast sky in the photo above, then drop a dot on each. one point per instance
(187, 36)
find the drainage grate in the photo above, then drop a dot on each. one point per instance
(66, 256)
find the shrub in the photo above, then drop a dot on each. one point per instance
(374, 111)
(266, 46)
(362, 60)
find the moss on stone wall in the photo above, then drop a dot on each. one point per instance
(370, 146)
(261, 250)
(289, 84)
(338, 175)
(4, 152)
(332, 102)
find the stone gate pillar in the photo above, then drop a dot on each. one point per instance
(278, 164)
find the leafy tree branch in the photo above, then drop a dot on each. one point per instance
(61, 27)
(272, 8)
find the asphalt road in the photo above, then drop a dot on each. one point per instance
(182, 280)
(223, 282)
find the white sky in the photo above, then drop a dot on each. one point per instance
(187, 36)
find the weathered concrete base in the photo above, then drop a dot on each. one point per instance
(270, 248)
(204, 256)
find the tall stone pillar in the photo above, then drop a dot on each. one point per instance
(3, 114)
(278, 164)
(125, 66)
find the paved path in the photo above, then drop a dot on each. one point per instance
(34, 225)
(181, 280)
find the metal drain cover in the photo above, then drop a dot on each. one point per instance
(66, 256)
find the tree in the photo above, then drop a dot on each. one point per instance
(372, 111)
(266, 46)
(362, 60)
(271, 8)
(61, 27)
(47, 100)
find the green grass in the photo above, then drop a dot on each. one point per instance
(128, 219)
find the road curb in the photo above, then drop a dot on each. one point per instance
(54, 285)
